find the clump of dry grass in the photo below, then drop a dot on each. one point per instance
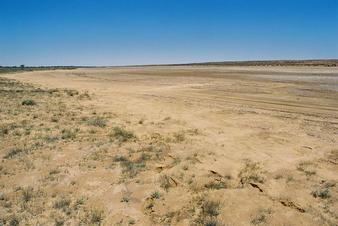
(210, 209)
(261, 217)
(251, 173)
(165, 182)
(13, 152)
(121, 134)
(68, 134)
(93, 217)
(97, 121)
(131, 168)
(307, 168)
(27, 194)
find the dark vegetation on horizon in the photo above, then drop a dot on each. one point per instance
(23, 68)
(314, 62)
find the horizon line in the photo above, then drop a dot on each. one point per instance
(219, 63)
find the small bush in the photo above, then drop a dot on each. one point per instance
(259, 219)
(209, 212)
(27, 194)
(210, 208)
(14, 221)
(179, 137)
(165, 182)
(211, 222)
(251, 172)
(121, 134)
(131, 168)
(215, 184)
(306, 167)
(98, 122)
(4, 131)
(155, 195)
(323, 193)
(59, 222)
(95, 217)
(28, 102)
(131, 222)
(125, 199)
(13, 152)
(62, 203)
(67, 134)
(120, 158)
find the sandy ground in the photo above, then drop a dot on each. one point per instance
(261, 141)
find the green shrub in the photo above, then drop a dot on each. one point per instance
(156, 195)
(28, 102)
(323, 193)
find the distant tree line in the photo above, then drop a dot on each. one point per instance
(22, 67)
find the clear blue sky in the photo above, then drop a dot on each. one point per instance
(102, 32)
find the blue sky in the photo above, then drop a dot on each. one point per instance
(121, 32)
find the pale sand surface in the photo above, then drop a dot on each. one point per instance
(284, 119)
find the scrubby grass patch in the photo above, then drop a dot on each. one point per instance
(62, 203)
(252, 172)
(166, 182)
(155, 195)
(130, 168)
(210, 209)
(122, 134)
(261, 217)
(68, 134)
(306, 168)
(13, 152)
(323, 191)
(28, 102)
(27, 194)
(97, 122)
(93, 217)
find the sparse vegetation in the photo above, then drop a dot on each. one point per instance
(121, 134)
(323, 191)
(165, 181)
(13, 152)
(125, 199)
(307, 168)
(98, 122)
(251, 172)
(210, 208)
(217, 184)
(28, 102)
(14, 221)
(62, 203)
(95, 217)
(156, 195)
(261, 217)
(27, 194)
(67, 160)
(68, 134)
(209, 212)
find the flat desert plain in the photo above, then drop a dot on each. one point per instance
(170, 145)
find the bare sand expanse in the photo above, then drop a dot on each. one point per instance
(173, 145)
